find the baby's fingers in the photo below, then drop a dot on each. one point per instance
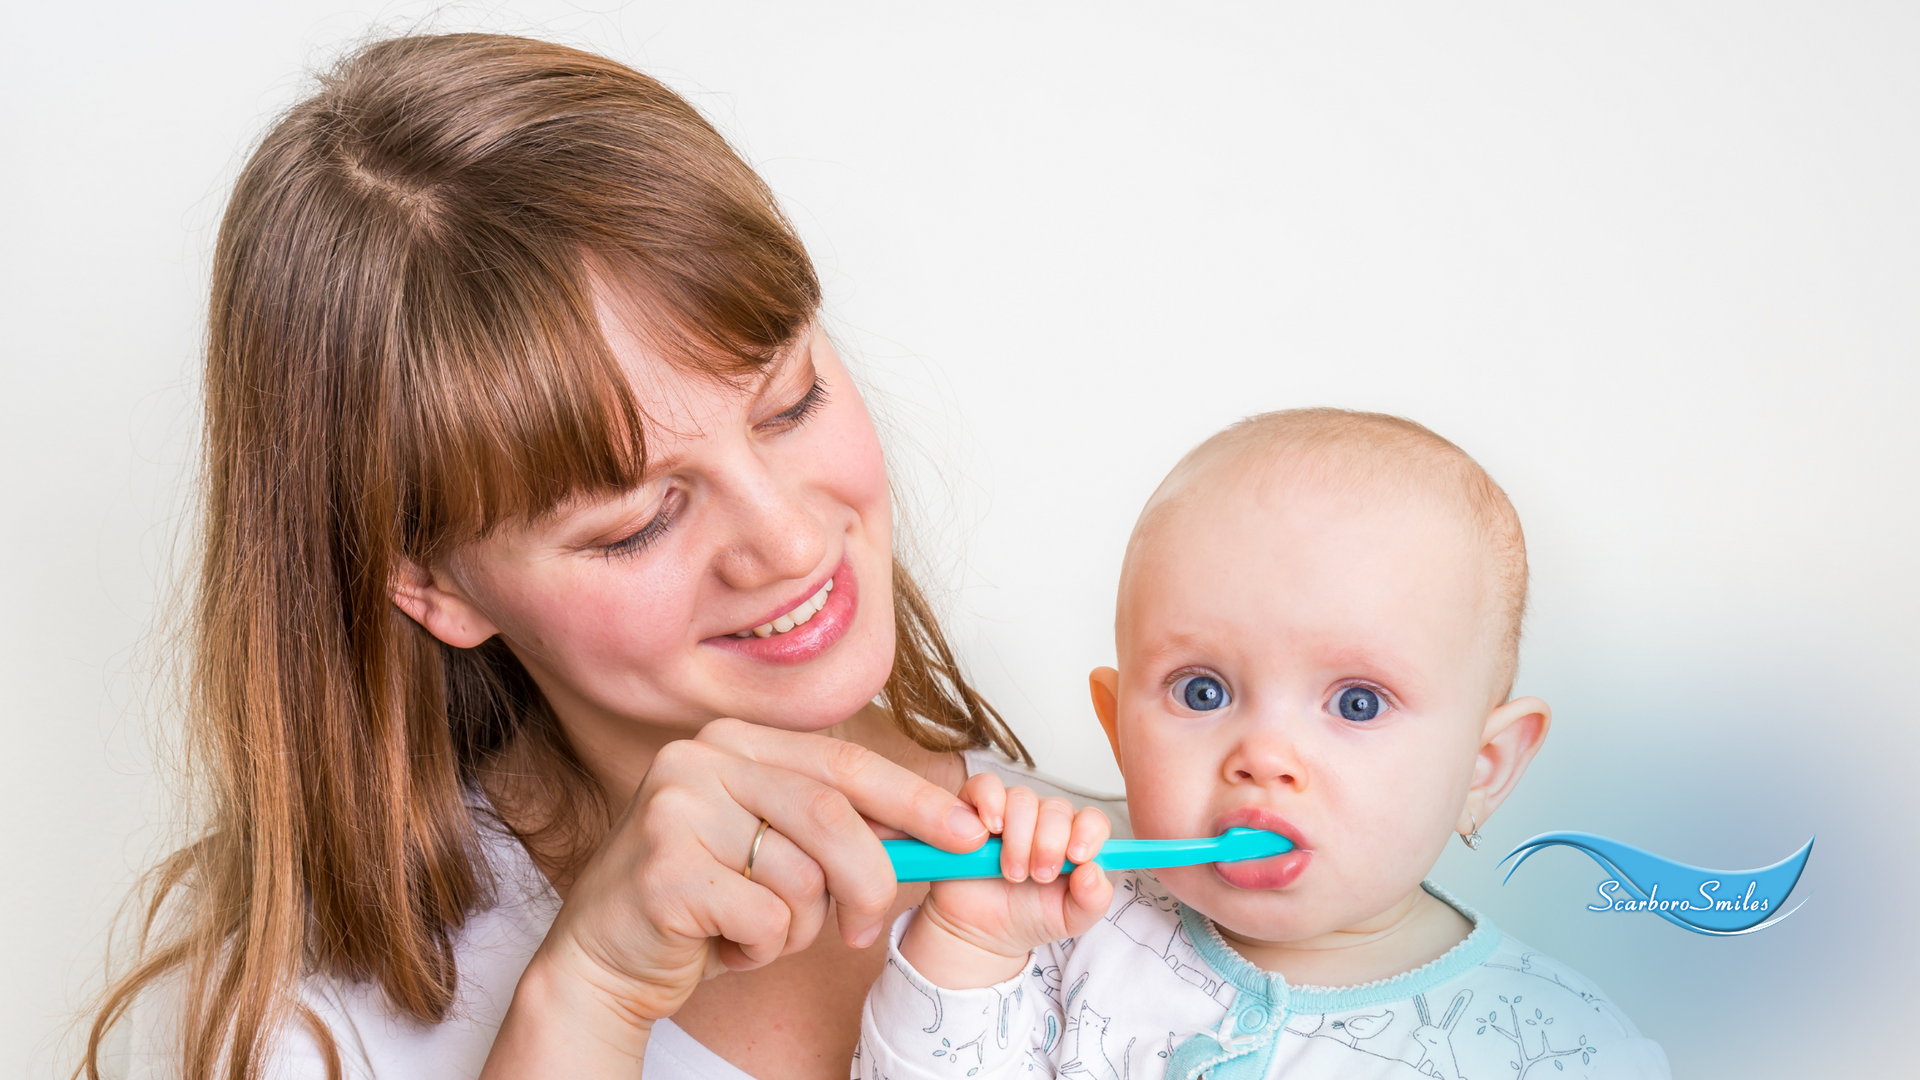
(1050, 835)
(1089, 895)
(1016, 836)
(1091, 830)
(988, 797)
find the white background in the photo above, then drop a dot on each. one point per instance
(1655, 265)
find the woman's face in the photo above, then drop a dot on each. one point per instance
(674, 603)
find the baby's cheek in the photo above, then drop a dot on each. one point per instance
(1392, 814)
(1168, 792)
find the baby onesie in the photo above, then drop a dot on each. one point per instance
(1153, 992)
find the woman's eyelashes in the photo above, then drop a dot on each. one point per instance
(1200, 693)
(1357, 703)
(646, 535)
(670, 504)
(810, 403)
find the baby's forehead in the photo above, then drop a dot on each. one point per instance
(1240, 489)
(1254, 482)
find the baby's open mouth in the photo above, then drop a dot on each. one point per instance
(1273, 872)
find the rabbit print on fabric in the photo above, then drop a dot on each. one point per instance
(1154, 993)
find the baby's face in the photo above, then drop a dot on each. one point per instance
(1310, 660)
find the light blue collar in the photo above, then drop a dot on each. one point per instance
(1242, 1047)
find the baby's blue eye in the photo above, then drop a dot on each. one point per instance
(1359, 703)
(1201, 693)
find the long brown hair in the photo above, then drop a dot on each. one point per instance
(402, 354)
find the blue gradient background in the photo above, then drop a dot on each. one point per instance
(1655, 265)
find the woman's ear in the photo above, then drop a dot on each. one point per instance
(435, 601)
(1509, 739)
(1104, 684)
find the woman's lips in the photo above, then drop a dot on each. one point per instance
(810, 639)
(1273, 872)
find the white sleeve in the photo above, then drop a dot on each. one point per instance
(911, 1029)
(148, 1038)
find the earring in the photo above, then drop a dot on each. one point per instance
(1472, 837)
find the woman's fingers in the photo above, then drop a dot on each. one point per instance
(750, 921)
(878, 788)
(821, 824)
(790, 874)
(1050, 834)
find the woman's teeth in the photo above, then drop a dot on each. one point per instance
(807, 610)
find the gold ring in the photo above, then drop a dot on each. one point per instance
(754, 851)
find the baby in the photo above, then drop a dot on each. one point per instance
(1318, 626)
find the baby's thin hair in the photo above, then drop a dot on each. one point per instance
(1373, 450)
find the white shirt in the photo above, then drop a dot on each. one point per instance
(491, 951)
(1153, 992)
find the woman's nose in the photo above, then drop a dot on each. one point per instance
(774, 536)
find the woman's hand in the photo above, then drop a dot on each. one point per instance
(978, 933)
(665, 903)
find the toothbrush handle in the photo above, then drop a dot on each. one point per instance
(916, 861)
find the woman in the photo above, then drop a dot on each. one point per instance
(527, 464)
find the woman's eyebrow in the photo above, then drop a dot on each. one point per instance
(766, 379)
(783, 361)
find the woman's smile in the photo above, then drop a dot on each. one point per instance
(801, 629)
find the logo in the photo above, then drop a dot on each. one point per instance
(1719, 903)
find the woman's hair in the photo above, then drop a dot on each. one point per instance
(403, 352)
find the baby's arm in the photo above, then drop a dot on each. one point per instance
(957, 992)
(979, 933)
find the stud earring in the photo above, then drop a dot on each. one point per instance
(1471, 838)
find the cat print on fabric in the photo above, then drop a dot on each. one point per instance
(1153, 992)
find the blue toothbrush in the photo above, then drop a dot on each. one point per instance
(915, 861)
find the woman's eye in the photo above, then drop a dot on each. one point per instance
(798, 414)
(1201, 693)
(643, 537)
(1358, 703)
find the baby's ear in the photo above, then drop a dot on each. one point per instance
(1104, 685)
(1512, 735)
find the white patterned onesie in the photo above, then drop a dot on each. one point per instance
(1152, 992)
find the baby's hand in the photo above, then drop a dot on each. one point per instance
(978, 933)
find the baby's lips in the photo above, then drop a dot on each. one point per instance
(1255, 817)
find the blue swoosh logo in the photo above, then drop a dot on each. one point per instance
(1721, 903)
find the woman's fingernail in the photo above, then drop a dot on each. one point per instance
(866, 936)
(965, 824)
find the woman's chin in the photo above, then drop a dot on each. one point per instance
(813, 696)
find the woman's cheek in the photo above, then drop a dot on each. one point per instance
(853, 468)
(610, 626)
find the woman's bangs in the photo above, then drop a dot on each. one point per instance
(516, 400)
